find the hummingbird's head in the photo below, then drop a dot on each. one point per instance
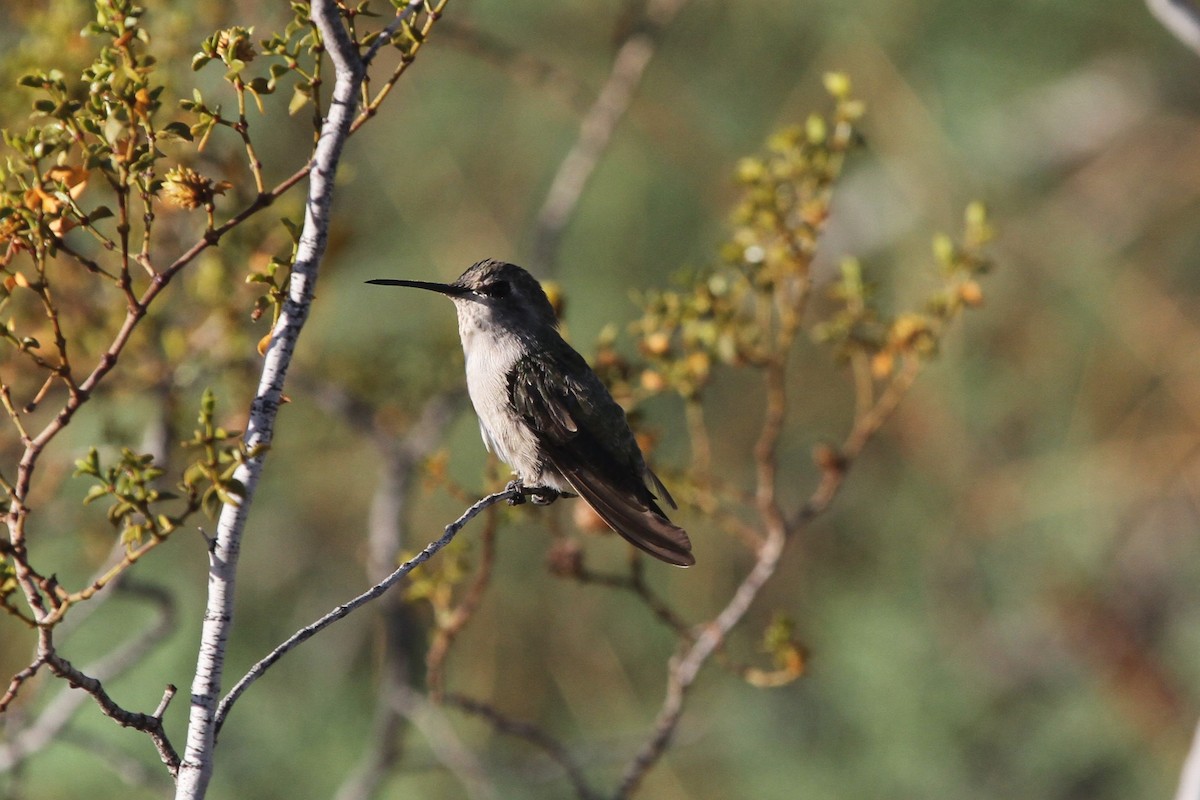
(493, 294)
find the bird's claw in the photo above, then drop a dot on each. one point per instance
(518, 490)
(539, 495)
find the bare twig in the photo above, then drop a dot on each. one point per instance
(684, 669)
(635, 583)
(58, 713)
(530, 733)
(387, 531)
(19, 680)
(596, 130)
(385, 36)
(308, 631)
(150, 724)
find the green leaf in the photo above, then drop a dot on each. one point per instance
(132, 535)
(94, 494)
(300, 98)
(179, 130)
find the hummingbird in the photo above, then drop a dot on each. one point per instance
(546, 414)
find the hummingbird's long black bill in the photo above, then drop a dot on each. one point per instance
(448, 289)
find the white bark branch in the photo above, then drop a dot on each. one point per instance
(1181, 18)
(1189, 780)
(195, 770)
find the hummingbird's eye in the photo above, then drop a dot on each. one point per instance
(495, 289)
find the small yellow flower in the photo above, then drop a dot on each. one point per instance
(183, 187)
(234, 44)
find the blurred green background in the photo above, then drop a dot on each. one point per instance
(1005, 601)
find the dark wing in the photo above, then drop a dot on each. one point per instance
(583, 434)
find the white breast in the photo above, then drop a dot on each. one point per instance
(490, 359)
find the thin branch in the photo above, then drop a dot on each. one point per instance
(684, 669)
(385, 36)
(1181, 18)
(58, 712)
(865, 426)
(635, 583)
(532, 734)
(596, 130)
(308, 631)
(136, 312)
(150, 724)
(19, 680)
(387, 528)
(433, 14)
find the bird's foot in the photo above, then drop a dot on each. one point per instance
(543, 495)
(538, 495)
(518, 489)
